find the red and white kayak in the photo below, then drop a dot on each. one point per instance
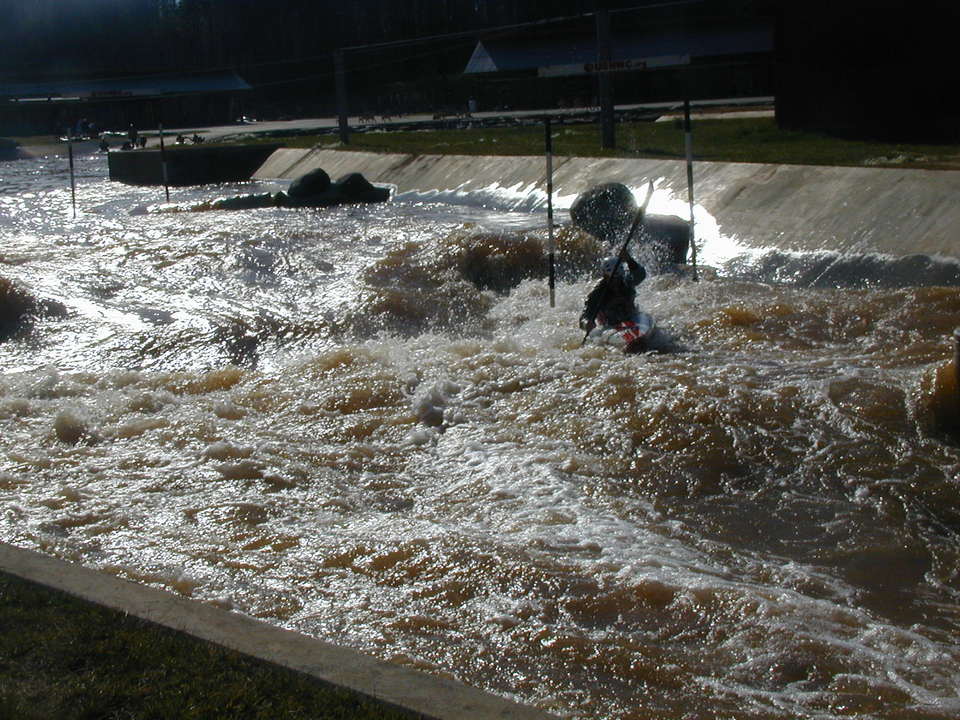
(630, 336)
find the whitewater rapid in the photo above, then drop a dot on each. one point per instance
(367, 424)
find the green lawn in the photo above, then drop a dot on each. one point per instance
(64, 658)
(757, 140)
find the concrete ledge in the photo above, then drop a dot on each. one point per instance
(789, 207)
(403, 688)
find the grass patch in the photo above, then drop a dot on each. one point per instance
(37, 140)
(61, 657)
(749, 140)
(755, 140)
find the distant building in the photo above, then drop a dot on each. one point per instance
(848, 67)
(654, 56)
(54, 107)
(869, 69)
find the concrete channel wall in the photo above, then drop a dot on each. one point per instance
(788, 207)
(423, 696)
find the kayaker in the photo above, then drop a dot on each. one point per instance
(612, 300)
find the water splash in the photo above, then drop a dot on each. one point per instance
(367, 424)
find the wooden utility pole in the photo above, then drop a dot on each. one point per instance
(608, 139)
(340, 74)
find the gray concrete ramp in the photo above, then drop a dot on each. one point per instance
(425, 695)
(787, 207)
(843, 209)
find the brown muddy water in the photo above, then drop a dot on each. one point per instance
(367, 424)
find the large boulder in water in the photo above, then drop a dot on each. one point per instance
(310, 190)
(669, 237)
(313, 184)
(19, 308)
(313, 189)
(605, 211)
(356, 188)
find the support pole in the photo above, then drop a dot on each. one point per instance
(340, 76)
(688, 141)
(956, 361)
(158, 115)
(73, 184)
(608, 134)
(551, 246)
(163, 163)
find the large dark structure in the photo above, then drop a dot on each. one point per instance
(703, 50)
(868, 69)
(856, 68)
(862, 68)
(188, 165)
(56, 107)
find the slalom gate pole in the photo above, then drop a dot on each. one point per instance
(73, 184)
(551, 245)
(688, 141)
(163, 163)
(956, 366)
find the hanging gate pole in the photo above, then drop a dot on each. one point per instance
(551, 245)
(340, 81)
(158, 116)
(73, 184)
(163, 164)
(688, 141)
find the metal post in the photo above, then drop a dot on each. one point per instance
(551, 246)
(688, 141)
(340, 77)
(608, 135)
(956, 361)
(163, 164)
(73, 184)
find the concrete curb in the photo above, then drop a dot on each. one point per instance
(418, 693)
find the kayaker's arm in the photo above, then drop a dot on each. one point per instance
(637, 272)
(591, 306)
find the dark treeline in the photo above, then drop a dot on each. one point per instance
(284, 48)
(105, 38)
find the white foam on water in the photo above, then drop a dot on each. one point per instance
(603, 522)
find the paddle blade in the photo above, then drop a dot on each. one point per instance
(646, 200)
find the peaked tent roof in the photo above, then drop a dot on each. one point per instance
(141, 87)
